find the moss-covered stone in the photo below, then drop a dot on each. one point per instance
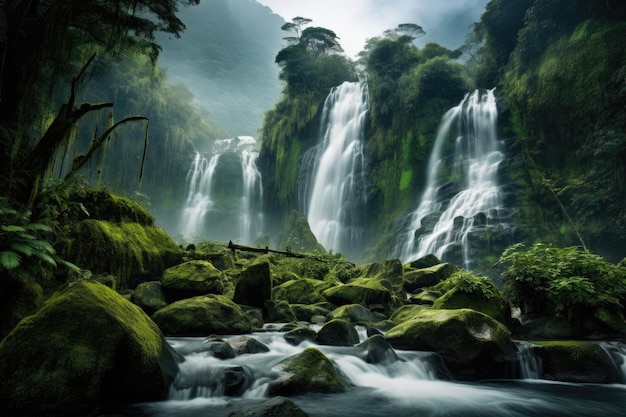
(355, 313)
(149, 296)
(296, 234)
(338, 333)
(300, 291)
(306, 312)
(406, 312)
(390, 270)
(131, 251)
(576, 361)
(254, 285)
(279, 311)
(202, 316)
(364, 291)
(86, 348)
(191, 279)
(426, 277)
(474, 345)
(457, 298)
(308, 371)
(299, 335)
(103, 205)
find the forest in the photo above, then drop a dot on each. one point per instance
(98, 131)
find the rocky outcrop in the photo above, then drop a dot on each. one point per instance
(191, 279)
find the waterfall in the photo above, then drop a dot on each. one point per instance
(461, 190)
(224, 194)
(530, 364)
(334, 195)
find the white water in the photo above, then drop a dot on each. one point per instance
(195, 217)
(406, 386)
(471, 128)
(336, 187)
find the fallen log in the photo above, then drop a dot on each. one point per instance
(234, 247)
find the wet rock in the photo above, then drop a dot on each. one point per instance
(376, 350)
(355, 313)
(254, 286)
(149, 296)
(274, 407)
(338, 333)
(299, 335)
(191, 279)
(245, 344)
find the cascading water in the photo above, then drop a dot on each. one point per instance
(224, 194)
(334, 195)
(462, 191)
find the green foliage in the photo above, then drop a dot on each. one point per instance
(468, 283)
(568, 282)
(23, 249)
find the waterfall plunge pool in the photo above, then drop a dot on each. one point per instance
(402, 388)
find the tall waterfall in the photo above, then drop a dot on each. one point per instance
(224, 194)
(332, 186)
(462, 190)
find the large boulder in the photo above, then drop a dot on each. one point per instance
(415, 279)
(355, 313)
(254, 285)
(313, 312)
(301, 291)
(492, 305)
(473, 345)
(307, 371)
(338, 333)
(202, 316)
(576, 361)
(87, 348)
(192, 278)
(364, 291)
(149, 296)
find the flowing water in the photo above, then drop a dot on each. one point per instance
(407, 386)
(224, 194)
(332, 179)
(462, 182)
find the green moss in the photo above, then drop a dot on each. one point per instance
(405, 179)
(126, 250)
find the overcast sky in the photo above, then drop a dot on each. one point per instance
(354, 21)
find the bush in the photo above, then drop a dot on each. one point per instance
(565, 282)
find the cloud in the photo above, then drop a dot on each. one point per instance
(356, 21)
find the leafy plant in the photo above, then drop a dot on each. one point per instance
(22, 249)
(468, 283)
(567, 282)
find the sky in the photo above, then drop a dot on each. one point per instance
(354, 21)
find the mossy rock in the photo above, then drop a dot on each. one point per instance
(338, 333)
(254, 285)
(473, 345)
(406, 312)
(102, 205)
(376, 350)
(279, 311)
(425, 297)
(132, 252)
(306, 312)
(149, 296)
(202, 316)
(300, 291)
(425, 262)
(364, 291)
(426, 277)
(299, 335)
(307, 371)
(355, 313)
(192, 278)
(297, 236)
(390, 270)
(576, 361)
(86, 348)
(274, 407)
(456, 298)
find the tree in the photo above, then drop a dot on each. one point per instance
(42, 43)
(295, 26)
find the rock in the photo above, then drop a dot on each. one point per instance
(456, 298)
(576, 361)
(390, 270)
(279, 311)
(201, 316)
(406, 312)
(296, 234)
(254, 286)
(299, 335)
(87, 348)
(338, 333)
(306, 312)
(255, 315)
(301, 291)
(274, 407)
(425, 298)
(473, 345)
(376, 350)
(244, 344)
(191, 279)
(362, 291)
(427, 277)
(308, 371)
(425, 262)
(219, 348)
(354, 313)
(149, 296)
